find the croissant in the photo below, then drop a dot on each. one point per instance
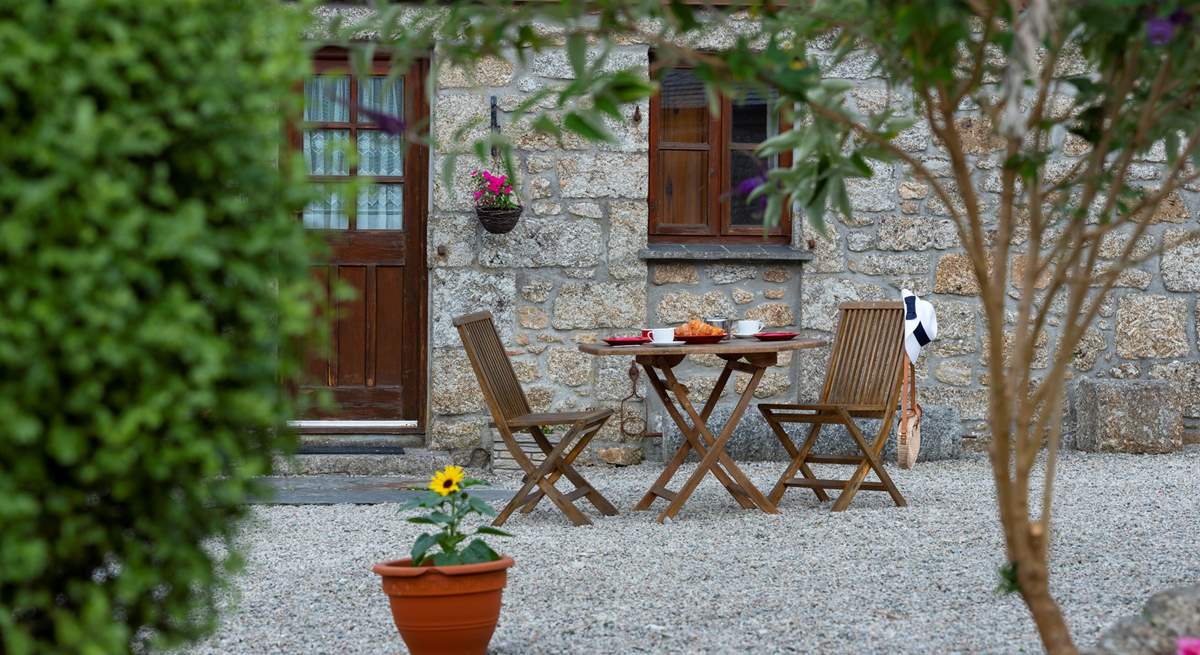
(698, 328)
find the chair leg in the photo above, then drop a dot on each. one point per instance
(537, 495)
(538, 477)
(798, 464)
(797, 460)
(565, 468)
(871, 453)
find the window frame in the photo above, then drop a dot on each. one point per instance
(719, 228)
(336, 60)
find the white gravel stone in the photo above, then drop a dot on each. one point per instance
(718, 579)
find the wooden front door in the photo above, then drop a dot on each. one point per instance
(374, 363)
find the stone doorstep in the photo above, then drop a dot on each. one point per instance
(359, 444)
(414, 461)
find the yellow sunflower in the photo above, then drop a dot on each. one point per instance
(445, 481)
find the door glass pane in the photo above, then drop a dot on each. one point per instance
(327, 99)
(381, 207)
(380, 154)
(743, 166)
(326, 213)
(683, 109)
(325, 151)
(753, 120)
(377, 94)
(684, 195)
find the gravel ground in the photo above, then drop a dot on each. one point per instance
(720, 579)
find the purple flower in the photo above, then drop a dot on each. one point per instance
(1160, 30)
(748, 185)
(388, 124)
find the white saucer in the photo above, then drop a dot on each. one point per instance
(667, 343)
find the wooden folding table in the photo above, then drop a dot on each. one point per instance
(748, 356)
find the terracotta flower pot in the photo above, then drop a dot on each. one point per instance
(445, 609)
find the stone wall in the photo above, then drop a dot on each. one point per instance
(570, 272)
(901, 236)
(768, 292)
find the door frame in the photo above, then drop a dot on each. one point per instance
(416, 212)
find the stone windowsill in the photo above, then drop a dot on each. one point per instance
(750, 252)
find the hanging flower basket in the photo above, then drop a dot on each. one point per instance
(495, 202)
(498, 220)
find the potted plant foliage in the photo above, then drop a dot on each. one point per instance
(495, 202)
(445, 596)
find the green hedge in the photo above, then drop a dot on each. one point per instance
(153, 289)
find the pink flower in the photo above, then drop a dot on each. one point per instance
(1188, 646)
(508, 189)
(478, 193)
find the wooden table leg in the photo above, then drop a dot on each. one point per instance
(700, 438)
(756, 366)
(692, 439)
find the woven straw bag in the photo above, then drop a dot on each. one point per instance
(909, 439)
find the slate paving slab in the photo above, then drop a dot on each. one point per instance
(355, 490)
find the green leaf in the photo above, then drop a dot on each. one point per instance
(487, 529)
(577, 53)
(586, 127)
(422, 520)
(448, 168)
(361, 57)
(782, 142)
(773, 211)
(1009, 583)
(448, 559)
(477, 552)
(628, 86)
(480, 506)
(684, 16)
(1171, 141)
(472, 482)
(861, 166)
(545, 125)
(609, 106)
(482, 150)
(440, 518)
(842, 198)
(714, 100)
(421, 546)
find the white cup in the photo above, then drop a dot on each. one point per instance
(662, 335)
(747, 327)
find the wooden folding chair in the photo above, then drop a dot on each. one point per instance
(510, 411)
(862, 381)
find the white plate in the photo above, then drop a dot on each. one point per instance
(668, 343)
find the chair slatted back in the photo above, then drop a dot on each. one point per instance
(864, 369)
(499, 384)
